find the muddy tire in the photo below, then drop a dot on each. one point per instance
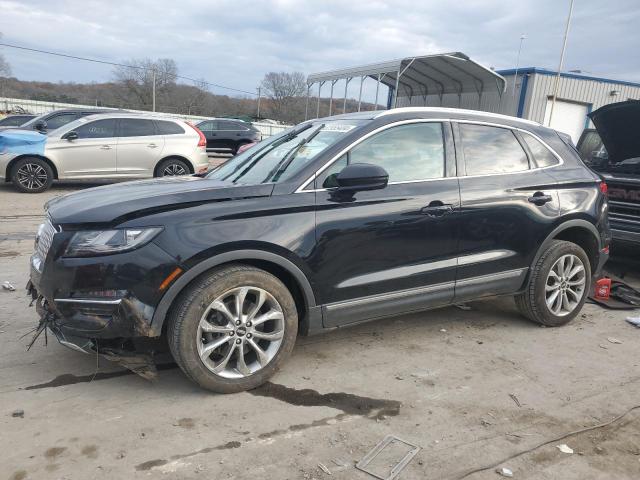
(232, 328)
(172, 167)
(558, 285)
(31, 175)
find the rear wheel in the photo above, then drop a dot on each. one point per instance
(32, 175)
(558, 285)
(232, 329)
(172, 167)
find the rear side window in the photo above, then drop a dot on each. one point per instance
(136, 127)
(168, 128)
(207, 126)
(223, 125)
(98, 129)
(410, 152)
(491, 150)
(542, 156)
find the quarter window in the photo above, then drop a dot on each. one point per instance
(98, 129)
(168, 128)
(541, 154)
(137, 127)
(411, 152)
(491, 150)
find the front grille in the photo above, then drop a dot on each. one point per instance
(44, 238)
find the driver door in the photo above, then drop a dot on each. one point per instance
(392, 250)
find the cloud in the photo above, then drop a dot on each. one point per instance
(234, 42)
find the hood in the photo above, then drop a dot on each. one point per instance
(618, 125)
(113, 204)
(17, 142)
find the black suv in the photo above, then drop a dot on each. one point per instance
(58, 118)
(228, 135)
(613, 151)
(334, 222)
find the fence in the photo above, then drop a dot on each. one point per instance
(38, 107)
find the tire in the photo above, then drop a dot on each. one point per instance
(31, 175)
(538, 302)
(200, 353)
(175, 165)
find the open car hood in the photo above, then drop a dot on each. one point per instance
(618, 125)
(115, 203)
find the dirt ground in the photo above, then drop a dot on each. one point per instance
(473, 388)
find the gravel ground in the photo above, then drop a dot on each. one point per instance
(472, 388)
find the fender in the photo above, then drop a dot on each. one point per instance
(564, 226)
(237, 255)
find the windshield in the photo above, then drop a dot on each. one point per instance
(279, 158)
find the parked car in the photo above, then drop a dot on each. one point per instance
(225, 135)
(58, 118)
(15, 120)
(102, 146)
(613, 151)
(336, 221)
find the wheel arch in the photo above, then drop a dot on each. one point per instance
(285, 270)
(13, 161)
(177, 157)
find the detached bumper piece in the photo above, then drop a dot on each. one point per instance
(92, 327)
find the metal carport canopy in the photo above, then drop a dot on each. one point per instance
(447, 73)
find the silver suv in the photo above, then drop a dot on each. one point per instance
(102, 146)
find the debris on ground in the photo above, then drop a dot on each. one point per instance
(505, 472)
(634, 321)
(324, 469)
(8, 286)
(564, 448)
(463, 306)
(614, 340)
(339, 462)
(443, 330)
(515, 399)
(18, 413)
(411, 451)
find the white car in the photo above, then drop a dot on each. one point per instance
(101, 146)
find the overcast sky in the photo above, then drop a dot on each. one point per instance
(234, 42)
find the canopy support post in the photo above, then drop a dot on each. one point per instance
(333, 82)
(306, 105)
(319, 90)
(344, 104)
(360, 94)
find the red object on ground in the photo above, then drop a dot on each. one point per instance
(603, 288)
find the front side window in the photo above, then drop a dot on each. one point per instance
(98, 129)
(491, 150)
(542, 156)
(410, 152)
(282, 156)
(58, 121)
(136, 127)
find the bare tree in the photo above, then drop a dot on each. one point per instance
(284, 91)
(137, 79)
(5, 68)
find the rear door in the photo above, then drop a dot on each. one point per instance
(508, 206)
(391, 250)
(92, 154)
(139, 148)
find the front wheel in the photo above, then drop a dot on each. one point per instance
(558, 285)
(232, 329)
(31, 175)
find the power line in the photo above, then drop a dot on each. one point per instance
(104, 62)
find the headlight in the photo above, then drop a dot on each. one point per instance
(106, 242)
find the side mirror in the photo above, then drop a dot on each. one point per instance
(362, 176)
(71, 136)
(41, 125)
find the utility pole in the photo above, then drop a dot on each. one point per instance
(153, 89)
(515, 78)
(259, 98)
(564, 47)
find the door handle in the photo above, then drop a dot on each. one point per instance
(437, 209)
(105, 147)
(152, 145)
(540, 198)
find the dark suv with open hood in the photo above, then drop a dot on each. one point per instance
(613, 151)
(334, 222)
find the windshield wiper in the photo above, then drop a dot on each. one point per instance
(266, 149)
(291, 155)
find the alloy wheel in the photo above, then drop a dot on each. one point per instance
(32, 176)
(565, 285)
(240, 332)
(173, 169)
